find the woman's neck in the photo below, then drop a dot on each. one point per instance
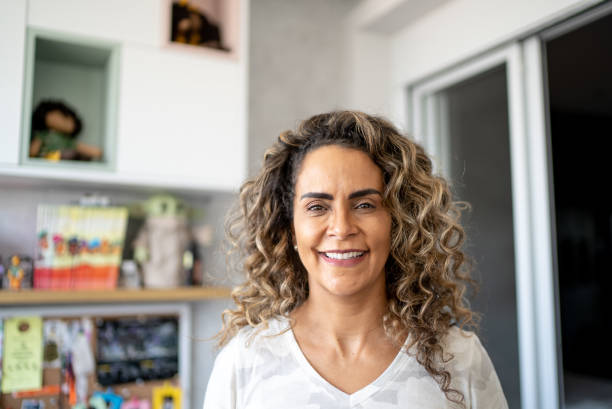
(343, 323)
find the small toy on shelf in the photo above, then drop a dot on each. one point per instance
(19, 273)
(2, 270)
(191, 26)
(167, 246)
(95, 402)
(112, 400)
(192, 264)
(135, 403)
(15, 274)
(130, 275)
(160, 244)
(55, 127)
(167, 397)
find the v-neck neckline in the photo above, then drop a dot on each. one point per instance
(358, 396)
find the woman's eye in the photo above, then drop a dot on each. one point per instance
(364, 205)
(315, 208)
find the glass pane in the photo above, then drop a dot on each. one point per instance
(580, 89)
(472, 122)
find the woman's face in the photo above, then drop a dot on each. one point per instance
(342, 230)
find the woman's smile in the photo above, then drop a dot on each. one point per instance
(344, 258)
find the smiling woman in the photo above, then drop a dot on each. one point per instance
(355, 279)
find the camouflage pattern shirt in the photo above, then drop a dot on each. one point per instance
(267, 370)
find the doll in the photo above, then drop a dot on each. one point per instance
(190, 26)
(55, 127)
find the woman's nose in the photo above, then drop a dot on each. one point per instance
(341, 224)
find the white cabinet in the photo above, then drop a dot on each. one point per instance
(176, 114)
(181, 115)
(12, 49)
(134, 21)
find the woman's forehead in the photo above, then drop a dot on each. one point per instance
(338, 168)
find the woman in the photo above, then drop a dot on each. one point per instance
(354, 280)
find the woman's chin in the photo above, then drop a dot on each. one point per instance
(346, 286)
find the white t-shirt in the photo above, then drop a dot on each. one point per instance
(269, 371)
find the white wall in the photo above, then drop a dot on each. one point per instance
(366, 81)
(383, 57)
(460, 29)
(295, 59)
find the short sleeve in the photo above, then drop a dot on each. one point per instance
(484, 387)
(221, 390)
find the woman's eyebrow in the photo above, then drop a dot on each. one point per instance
(364, 192)
(327, 196)
(317, 195)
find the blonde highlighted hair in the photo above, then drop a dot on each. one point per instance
(426, 272)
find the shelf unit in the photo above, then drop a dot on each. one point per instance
(120, 295)
(182, 310)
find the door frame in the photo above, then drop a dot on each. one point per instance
(528, 157)
(545, 260)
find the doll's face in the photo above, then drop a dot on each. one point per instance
(57, 121)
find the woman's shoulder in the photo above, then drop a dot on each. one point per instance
(460, 339)
(464, 346)
(256, 353)
(472, 369)
(247, 358)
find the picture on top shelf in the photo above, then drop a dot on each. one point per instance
(199, 23)
(55, 131)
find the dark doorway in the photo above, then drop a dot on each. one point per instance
(579, 64)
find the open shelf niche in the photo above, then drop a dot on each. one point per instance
(83, 74)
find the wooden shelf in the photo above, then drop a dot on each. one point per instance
(120, 295)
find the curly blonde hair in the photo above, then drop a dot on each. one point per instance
(426, 271)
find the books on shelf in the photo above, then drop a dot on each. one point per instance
(79, 247)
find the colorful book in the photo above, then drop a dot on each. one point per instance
(79, 247)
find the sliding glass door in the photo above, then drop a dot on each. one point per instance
(523, 134)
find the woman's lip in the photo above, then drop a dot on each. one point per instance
(343, 251)
(346, 262)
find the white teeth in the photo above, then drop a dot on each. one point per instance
(345, 256)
